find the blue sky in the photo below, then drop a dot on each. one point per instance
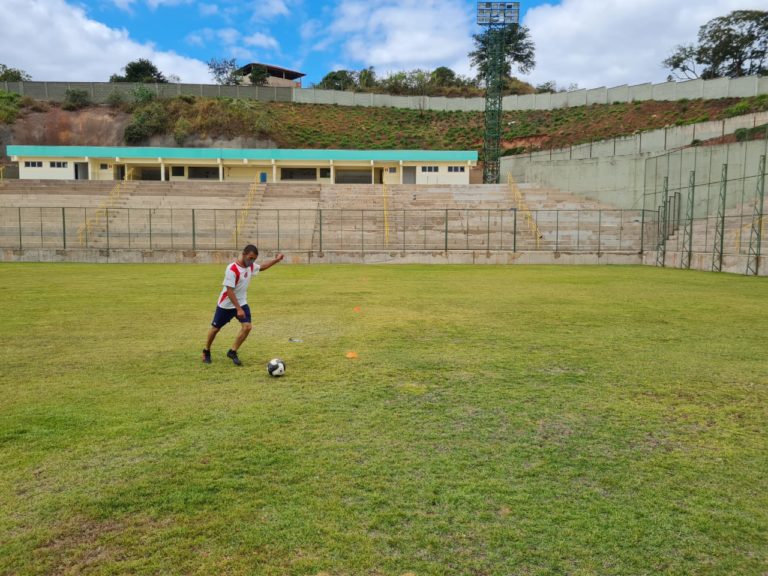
(588, 43)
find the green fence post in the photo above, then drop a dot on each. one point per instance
(107, 212)
(466, 215)
(578, 229)
(621, 229)
(488, 236)
(446, 230)
(64, 227)
(403, 230)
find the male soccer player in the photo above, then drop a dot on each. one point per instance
(233, 300)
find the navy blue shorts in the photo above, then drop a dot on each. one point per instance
(222, 316)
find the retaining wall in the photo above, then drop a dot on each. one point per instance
(99, 92)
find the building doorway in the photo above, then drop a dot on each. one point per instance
(81, 171)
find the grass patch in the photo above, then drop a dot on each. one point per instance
(497, 420)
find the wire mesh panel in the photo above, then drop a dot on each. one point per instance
(341, 229)
(722, 214)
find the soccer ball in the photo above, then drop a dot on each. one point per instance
(276, 367)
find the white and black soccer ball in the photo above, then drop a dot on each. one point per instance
(276, 367)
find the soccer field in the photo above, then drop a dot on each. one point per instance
(496, 421)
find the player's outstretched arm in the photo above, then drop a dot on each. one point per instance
(270, 263)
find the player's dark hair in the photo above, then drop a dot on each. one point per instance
(251, 248)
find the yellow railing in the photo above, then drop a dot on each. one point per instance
(243, 214)
(523, 209)
(86, 228)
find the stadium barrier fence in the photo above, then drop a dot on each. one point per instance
(326, 230)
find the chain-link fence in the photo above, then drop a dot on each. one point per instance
(323, 230)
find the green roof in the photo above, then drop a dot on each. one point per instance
(241, 154)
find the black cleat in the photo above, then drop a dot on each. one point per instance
(206, 356)
(233, 356)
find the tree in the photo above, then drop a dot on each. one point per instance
(728, 47)
(518, 48)
(13, 74)
(259, 75)
(366, 78)
(442, 77)
(142, 71)
(338, 80)
(547, 87)
(224, 71)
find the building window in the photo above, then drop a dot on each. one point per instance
(429, 169)
(392, 170)
(177, 171)
(298, 174)
(203, 173)
(33, 164)
(103, 166)
(58, 164)
(455, 168)
(325, 172)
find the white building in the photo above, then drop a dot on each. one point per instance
(228, 164)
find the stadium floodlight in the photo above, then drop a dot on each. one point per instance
(502, 13)
(495, 16)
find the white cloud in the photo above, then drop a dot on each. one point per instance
(261, 41)
(75, 47)
(123, 4)
(228, 35)
(310, 29)
(267, 9)
(157, 3)
(404, 34)
(597, 43)
(208, 9)
(241, 54)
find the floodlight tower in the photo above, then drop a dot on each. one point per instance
(495, 16)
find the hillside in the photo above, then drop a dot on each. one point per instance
(192, 121)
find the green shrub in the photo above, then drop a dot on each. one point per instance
(182, 130)
(147, 121)
(116, 100)
(75, 99)
(738, 109)
(143, 95)
(10, 104)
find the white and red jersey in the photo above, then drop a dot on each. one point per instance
(238, 278)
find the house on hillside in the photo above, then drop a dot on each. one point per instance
(230, 164)
(280, 77)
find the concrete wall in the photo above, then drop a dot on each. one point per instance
(99, 92)
(624, 180)
(308, 257)
(46, 171)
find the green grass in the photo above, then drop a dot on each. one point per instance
(499, 420)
